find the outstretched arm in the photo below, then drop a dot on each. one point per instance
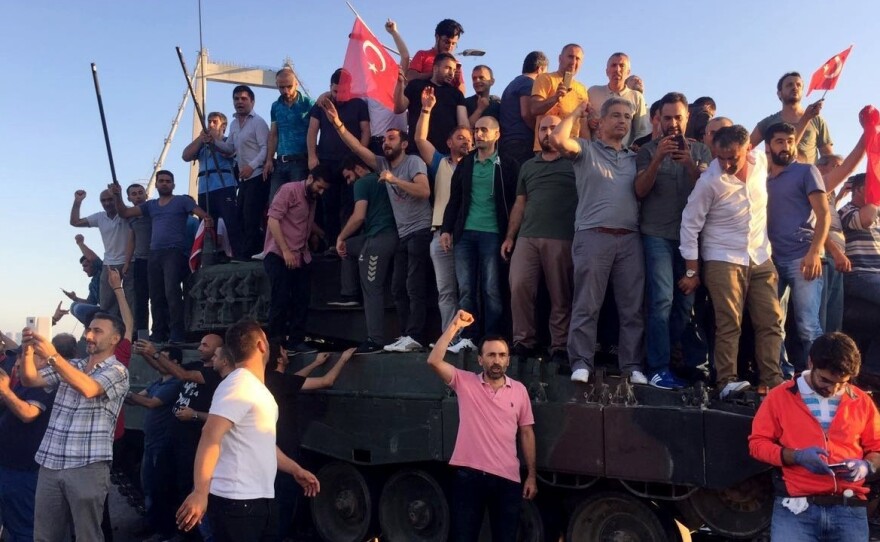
(329, 379)
(352, 142)
(560, 137)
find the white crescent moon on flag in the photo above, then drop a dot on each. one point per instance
(370, 45)
(832, 69)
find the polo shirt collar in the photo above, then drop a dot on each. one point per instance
(506, 380)
(492, 158)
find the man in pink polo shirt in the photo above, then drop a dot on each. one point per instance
(291, 223)
(492, 408)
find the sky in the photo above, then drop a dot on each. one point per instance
(53, 144)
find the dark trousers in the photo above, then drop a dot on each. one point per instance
(409, 282)
(222, 203)
(336, 204)
(289, 305)
(288, 494)
(157, 483)
(167, 270)
(141, 307)
(252, 196)
(474, 491)
(245, 520)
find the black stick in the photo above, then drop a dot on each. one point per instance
(104, 123)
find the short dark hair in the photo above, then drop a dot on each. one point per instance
(337, 75)
(274, 353)
(133, 185)
(673, 98)
(491, 338)
(404, 136)
(778, 128)
(703, 101)
(174, 353)
(781, 79)
(321, 172)
(82, 259)
(457, 128)
(449, 28)
(219, 115)
(118, 324)
(245, 88)
(65, 344)
(857, 180)
(655, 108)
(444, 56)
(696, 128)
(351, 161)
(164, 172)
(225, 353)
(242, 338)
(484, 67)
(729, 136)
(533, 61)
(836, 352)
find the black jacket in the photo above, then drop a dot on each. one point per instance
(506, 175)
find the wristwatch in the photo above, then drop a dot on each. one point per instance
(195, 416)
(51, 361)
(156, 356)
(690, 273)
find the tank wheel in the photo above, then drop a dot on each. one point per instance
(531, 526)
(413, 508)
(343, 510)
(741, 511)
(615, 517)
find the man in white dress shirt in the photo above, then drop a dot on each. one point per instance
(729, 207)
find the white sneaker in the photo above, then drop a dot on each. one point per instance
(733, 387)
(637, 377)
(462, 344)
(580, 375)
(404, 344)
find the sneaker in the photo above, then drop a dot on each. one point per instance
(665, 380)
(344, 301)
(259, 257)
(368, 347)
(301, 348)
(580, 375)
(637, 377)
(733, 387)
(462, 344)
(404, 344)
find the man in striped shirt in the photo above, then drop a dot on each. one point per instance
(861, 227)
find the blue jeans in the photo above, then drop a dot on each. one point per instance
(168, 269)
(84, 312)
(285, 172)
(863, 285)
(474, 491)
(669, 310)
(831, 313)
(819, 523)
(477, 254)
(806, 299)
(17, 490)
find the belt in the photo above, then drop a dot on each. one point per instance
(212, 171)
(613, 231)
(291, 158)
(837, 500)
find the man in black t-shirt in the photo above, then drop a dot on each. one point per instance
(449, 112)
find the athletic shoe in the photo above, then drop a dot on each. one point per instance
(733, 387)
(580, 375)
(637, 377)
(404, 344)
(462, 344)
(368, 347)
(665, 380)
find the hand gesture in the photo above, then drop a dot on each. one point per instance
(429, 100)
(386, 177)
(308, 481)
(185, 414)
(463, 319)
(79, 239)
(321, 358)
(146, 348)
(506, 249)
(812, 111)
(41, 346)
(665, 147)
(115, 189)
(71, 294)
(59, 312)
(482, 103)
(113, 278)
(446, 241)
(582, 110)
(191, 511)
(330, 110)
(391, 27)
(79, 195)
(859, 469)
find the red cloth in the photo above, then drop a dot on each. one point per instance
(870, 118)
(369, 70)
(123, 354)
(827, 75)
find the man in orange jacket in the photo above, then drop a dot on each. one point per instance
(823, 434)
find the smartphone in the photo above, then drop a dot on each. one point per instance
(839, 468)
(566, 80)
(681, 142)
(143, 335)
(31, 323)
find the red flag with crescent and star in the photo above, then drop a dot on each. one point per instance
(369, 71)
(870, 119)
(826, 76)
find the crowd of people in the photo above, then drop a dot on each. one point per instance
(551, 184)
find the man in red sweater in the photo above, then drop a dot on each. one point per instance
(823, 435)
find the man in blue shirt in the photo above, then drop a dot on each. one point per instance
(289, 117)
(797, 225)
(169, 252)
(517, 122)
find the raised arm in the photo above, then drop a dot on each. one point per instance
(836, 176)
(560, 137)
(75, 219)
(443, 368)
(24, 411)
(164, 365)
(87, 386)
(191, 151)
(426, 148)
(329, 378)
(124, 212)
(391, 28)
(352, 142)
(401, 102)
(29, 374)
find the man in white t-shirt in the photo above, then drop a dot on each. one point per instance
(234, 475)
(114, 233)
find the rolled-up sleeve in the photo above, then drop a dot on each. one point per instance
(113, 379)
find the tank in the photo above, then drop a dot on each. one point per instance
(615, 461)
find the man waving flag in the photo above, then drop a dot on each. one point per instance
(368, 70)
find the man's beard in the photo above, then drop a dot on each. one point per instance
(392, 154)
(779, 160)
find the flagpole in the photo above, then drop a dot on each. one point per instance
(358, 15)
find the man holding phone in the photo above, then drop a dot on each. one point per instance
(823, 433)
(559, 94)
(668, 168)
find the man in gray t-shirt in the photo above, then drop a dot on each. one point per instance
(408, 189)
(139, 236)
(606, 242)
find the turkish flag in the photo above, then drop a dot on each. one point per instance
(870, 118)
(369, 70)
(826, 77)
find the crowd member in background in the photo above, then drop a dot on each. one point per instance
(138, 254)
(558, 93)
(482, 103)
(286, 156)
(861, 227)
(516, 119)
(617, 69)
(84, 308)
(446, 36)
